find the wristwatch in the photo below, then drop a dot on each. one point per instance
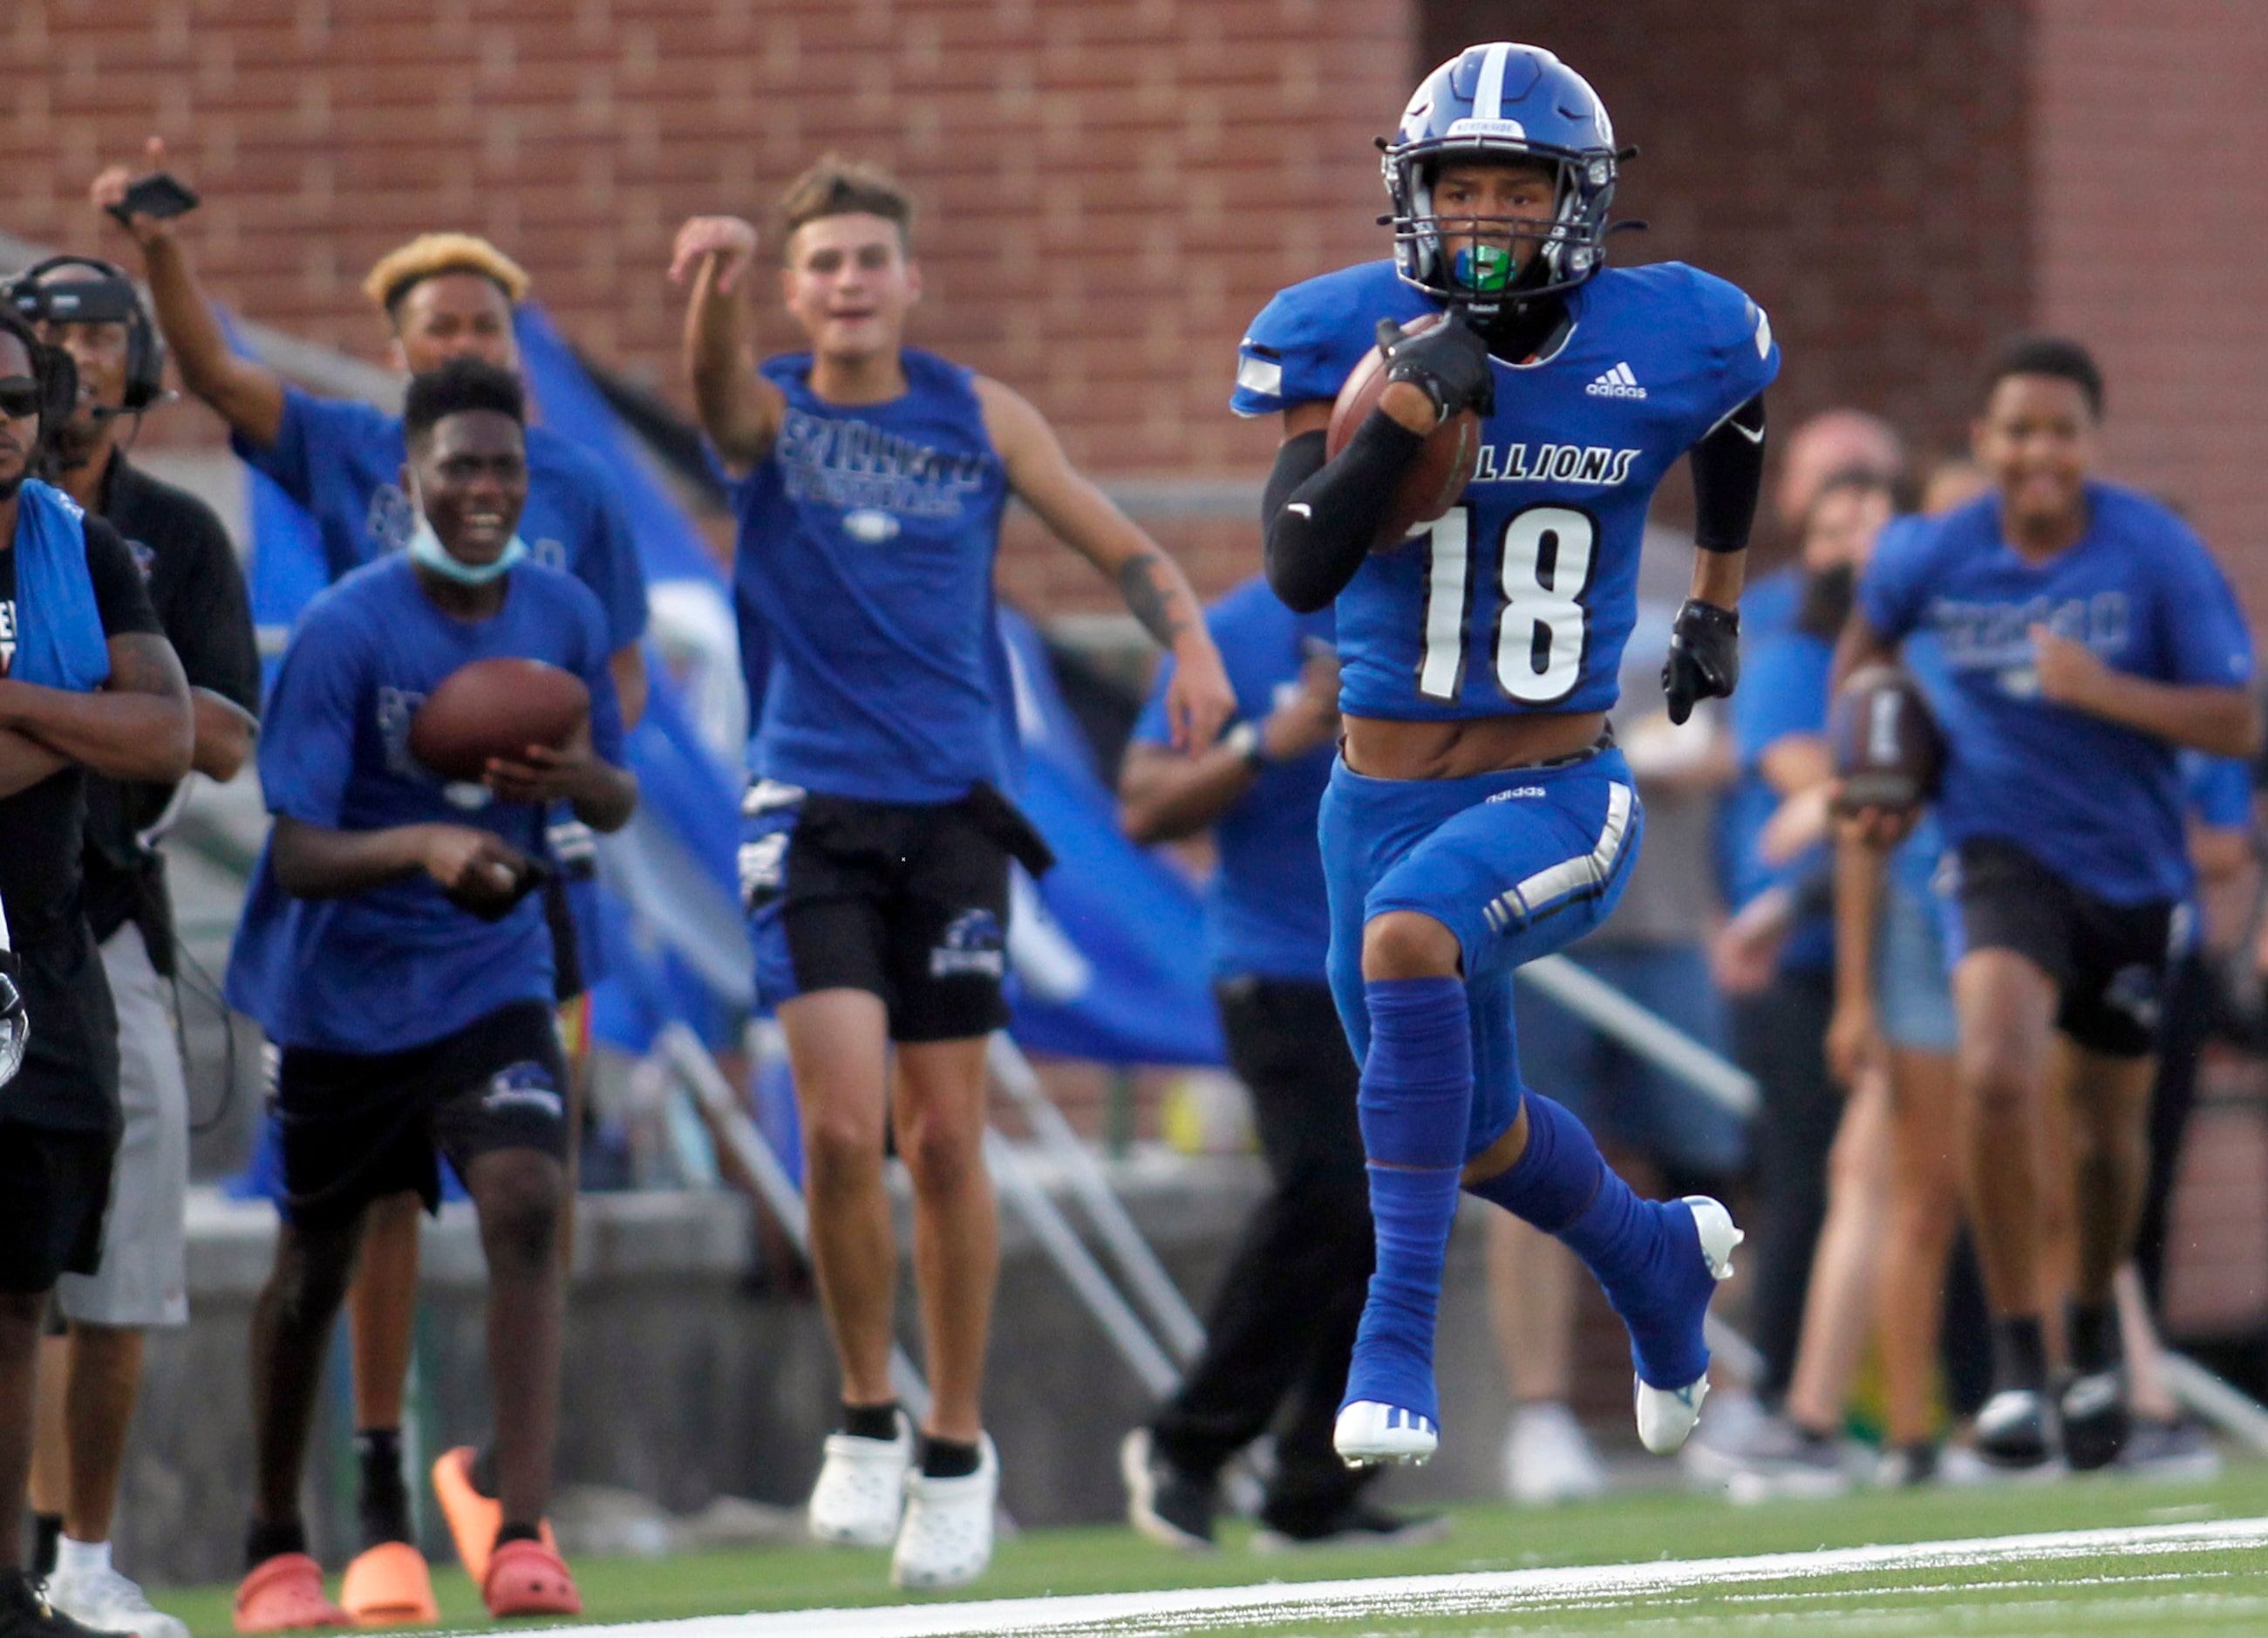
(1244, 739)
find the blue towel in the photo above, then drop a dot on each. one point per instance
(59, 641)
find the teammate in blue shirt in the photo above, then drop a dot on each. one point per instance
(1480, 815)
(870, 478)
(2088, 635)
(392, 950)
(443, 296)
(1283, 1320)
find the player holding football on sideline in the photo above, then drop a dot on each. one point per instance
(870, 482)
(2088, 634)
(1480, 815)
(390, 949)
(443, 296)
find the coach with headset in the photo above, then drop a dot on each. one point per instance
(92, 310)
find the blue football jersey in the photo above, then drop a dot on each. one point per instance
(2098, 803)
(866, 542)
(1521, 596)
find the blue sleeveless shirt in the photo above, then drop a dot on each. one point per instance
(866, 542)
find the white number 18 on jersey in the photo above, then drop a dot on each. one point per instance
(1543, 566)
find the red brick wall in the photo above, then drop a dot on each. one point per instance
(1113, 186)
(1857, 166)
(2149, 135)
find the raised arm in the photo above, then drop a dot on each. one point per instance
(739, 409)
(1083, 518)
(247, 396)
(138, 726)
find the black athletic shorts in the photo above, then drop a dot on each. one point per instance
(906, 901)
(357, 1125)
(54, 1187)
(2108, 961)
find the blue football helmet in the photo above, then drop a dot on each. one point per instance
(1502, 101)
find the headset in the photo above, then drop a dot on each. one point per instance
(111, 298)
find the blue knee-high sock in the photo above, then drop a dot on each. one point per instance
(1563, 1185)
(1415, 1103)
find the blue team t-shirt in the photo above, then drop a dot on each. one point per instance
(2099, 804)
(399, 965)
(341, 460)
(866, 542)
(1265, 911)
(1521, 597)
(1784, 691)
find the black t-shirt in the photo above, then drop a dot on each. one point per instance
(196, 589)
(42, 828)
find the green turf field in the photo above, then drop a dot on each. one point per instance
(2186, 1587)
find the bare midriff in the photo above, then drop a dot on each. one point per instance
(1381, 748)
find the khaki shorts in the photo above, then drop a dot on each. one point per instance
(143, 1279)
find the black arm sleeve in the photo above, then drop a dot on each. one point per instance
(1320, 531)
(1728, 473)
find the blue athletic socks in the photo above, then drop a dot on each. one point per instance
(1653, 1274)
(1415, 1105)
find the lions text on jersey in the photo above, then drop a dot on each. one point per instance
(1521, 596)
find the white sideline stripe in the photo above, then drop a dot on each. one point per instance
(1493, 1592)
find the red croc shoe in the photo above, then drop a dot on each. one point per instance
(286, 1594)
(528, 1578)
(390, 1585)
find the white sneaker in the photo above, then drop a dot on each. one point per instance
(946, 1537)
(108, 1602)
(1666, 1416)
(1369, 1434)
(861, 1488)
(1546, 1459)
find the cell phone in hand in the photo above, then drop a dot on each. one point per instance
(160, 194)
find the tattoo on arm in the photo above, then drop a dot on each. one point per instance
(1152, 597)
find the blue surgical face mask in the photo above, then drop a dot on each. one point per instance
(425, 550)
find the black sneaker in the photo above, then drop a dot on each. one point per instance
(1171, 1506)
(2012, 1429)
(25, 1612)
(2096, 1421)
(1356, 1524)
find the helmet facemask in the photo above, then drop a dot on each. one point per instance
(1558, 253)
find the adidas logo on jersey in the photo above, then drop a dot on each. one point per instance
(1617, 383)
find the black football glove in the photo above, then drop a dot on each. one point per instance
(1448, 363)
(1704, 656)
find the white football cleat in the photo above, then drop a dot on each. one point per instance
(861, 1488)
(946, 1537)
(1369, 1434)
(1666, 1416)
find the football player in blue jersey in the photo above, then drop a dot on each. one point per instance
(443, 296)
(1480, 815)
(390, 950)
(2089, 635)
(870, 478)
